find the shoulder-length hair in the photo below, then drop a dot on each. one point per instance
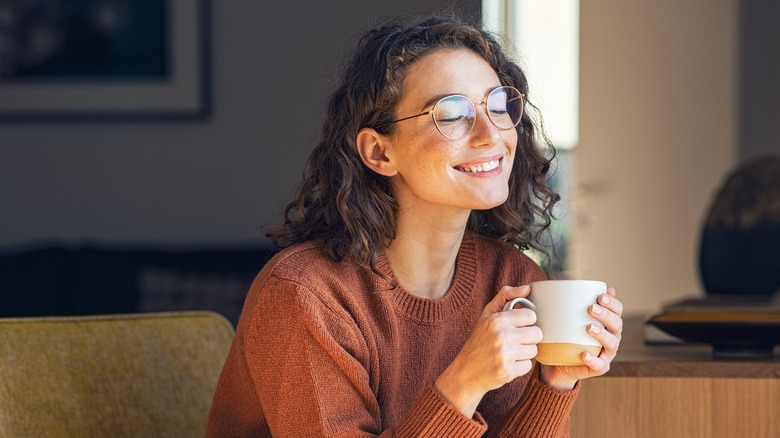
(351, 209)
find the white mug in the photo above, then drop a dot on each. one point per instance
(561, 308)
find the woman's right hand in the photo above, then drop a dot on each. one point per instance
(500, 349)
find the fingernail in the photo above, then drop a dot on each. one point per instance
(595, 329)
(605, 299)
(597, 309)
(588, 357)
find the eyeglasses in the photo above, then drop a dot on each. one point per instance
(455, 115)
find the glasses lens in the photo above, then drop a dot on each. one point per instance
(454, 116)
(505, 107)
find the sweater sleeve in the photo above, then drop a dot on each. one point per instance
(542, 411)
(310, 367)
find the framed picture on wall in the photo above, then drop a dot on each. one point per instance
(103, 59)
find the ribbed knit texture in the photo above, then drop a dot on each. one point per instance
(331, 349)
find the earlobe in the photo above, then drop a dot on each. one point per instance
(372, 148)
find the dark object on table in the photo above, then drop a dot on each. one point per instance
(740, 242)
(739, 263)
(735, 326)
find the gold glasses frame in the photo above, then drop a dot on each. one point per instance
(474, 105)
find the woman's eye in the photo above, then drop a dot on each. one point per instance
(453, 109)
(450, 118)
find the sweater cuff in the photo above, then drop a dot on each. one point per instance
(433, 415)
(542, 409)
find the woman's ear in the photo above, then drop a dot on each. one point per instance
(372, 148)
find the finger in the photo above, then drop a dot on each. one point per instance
(530, 335)
(525, 352)
(504, 295)
(611, 302)
(612, 321)
(519, 368)
(513, 292)
(597, 364)
(607, 340)
(521, 317)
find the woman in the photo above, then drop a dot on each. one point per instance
(382, 316)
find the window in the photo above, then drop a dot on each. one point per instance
(544, 38)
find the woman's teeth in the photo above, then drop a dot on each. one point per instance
(484, 167)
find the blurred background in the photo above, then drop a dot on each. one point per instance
(672, 96)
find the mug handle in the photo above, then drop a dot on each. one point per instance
(526, 303)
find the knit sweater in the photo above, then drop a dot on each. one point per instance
(332, 349)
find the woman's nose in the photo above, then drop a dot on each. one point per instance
(484, 131)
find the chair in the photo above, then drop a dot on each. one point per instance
(135, 375)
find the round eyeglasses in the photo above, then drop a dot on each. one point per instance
(455, 115)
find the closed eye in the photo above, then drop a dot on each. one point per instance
(450, 118)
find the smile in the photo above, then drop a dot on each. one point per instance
(480, 167)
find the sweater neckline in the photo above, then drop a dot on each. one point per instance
(426, 310)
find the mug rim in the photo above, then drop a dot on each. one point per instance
(568, 280)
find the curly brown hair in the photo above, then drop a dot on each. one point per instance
(351, 209)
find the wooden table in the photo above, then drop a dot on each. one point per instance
(678, 391)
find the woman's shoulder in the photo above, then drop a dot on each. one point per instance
(310, 251)
(301, 260)
(302, 272)
(307, 265)
(300, 283)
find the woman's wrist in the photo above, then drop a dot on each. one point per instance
(561, 383)
(457, 392)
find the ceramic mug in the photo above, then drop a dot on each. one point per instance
(561, 308)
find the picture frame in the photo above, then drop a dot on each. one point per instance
(171, 80)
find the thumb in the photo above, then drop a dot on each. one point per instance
(505, 295)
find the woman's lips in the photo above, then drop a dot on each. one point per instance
(482, 167)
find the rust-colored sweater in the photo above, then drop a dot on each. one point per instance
(329, 349)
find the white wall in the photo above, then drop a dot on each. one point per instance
(658, 127)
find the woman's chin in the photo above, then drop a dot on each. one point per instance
(487, 204)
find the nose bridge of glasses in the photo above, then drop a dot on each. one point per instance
(486, 115)
(485, 121)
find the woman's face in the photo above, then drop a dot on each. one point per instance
(434, 171)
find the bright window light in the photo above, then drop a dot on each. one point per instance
(545, 35)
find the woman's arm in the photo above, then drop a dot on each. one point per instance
(501, 349)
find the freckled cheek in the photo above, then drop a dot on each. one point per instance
(512, 151)
(510, 161)
(511, 140)
(435, 169)
(438, 158)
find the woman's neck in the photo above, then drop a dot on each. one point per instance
(423, 254)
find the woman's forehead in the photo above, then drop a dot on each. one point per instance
(448, 71)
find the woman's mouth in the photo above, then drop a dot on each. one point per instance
(486, 166)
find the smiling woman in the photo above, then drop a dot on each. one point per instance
(433, 164)
(383, 314)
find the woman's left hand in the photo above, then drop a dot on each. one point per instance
(608, 311)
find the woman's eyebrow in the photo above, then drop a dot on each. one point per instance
(439, 97)
(435, 99)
